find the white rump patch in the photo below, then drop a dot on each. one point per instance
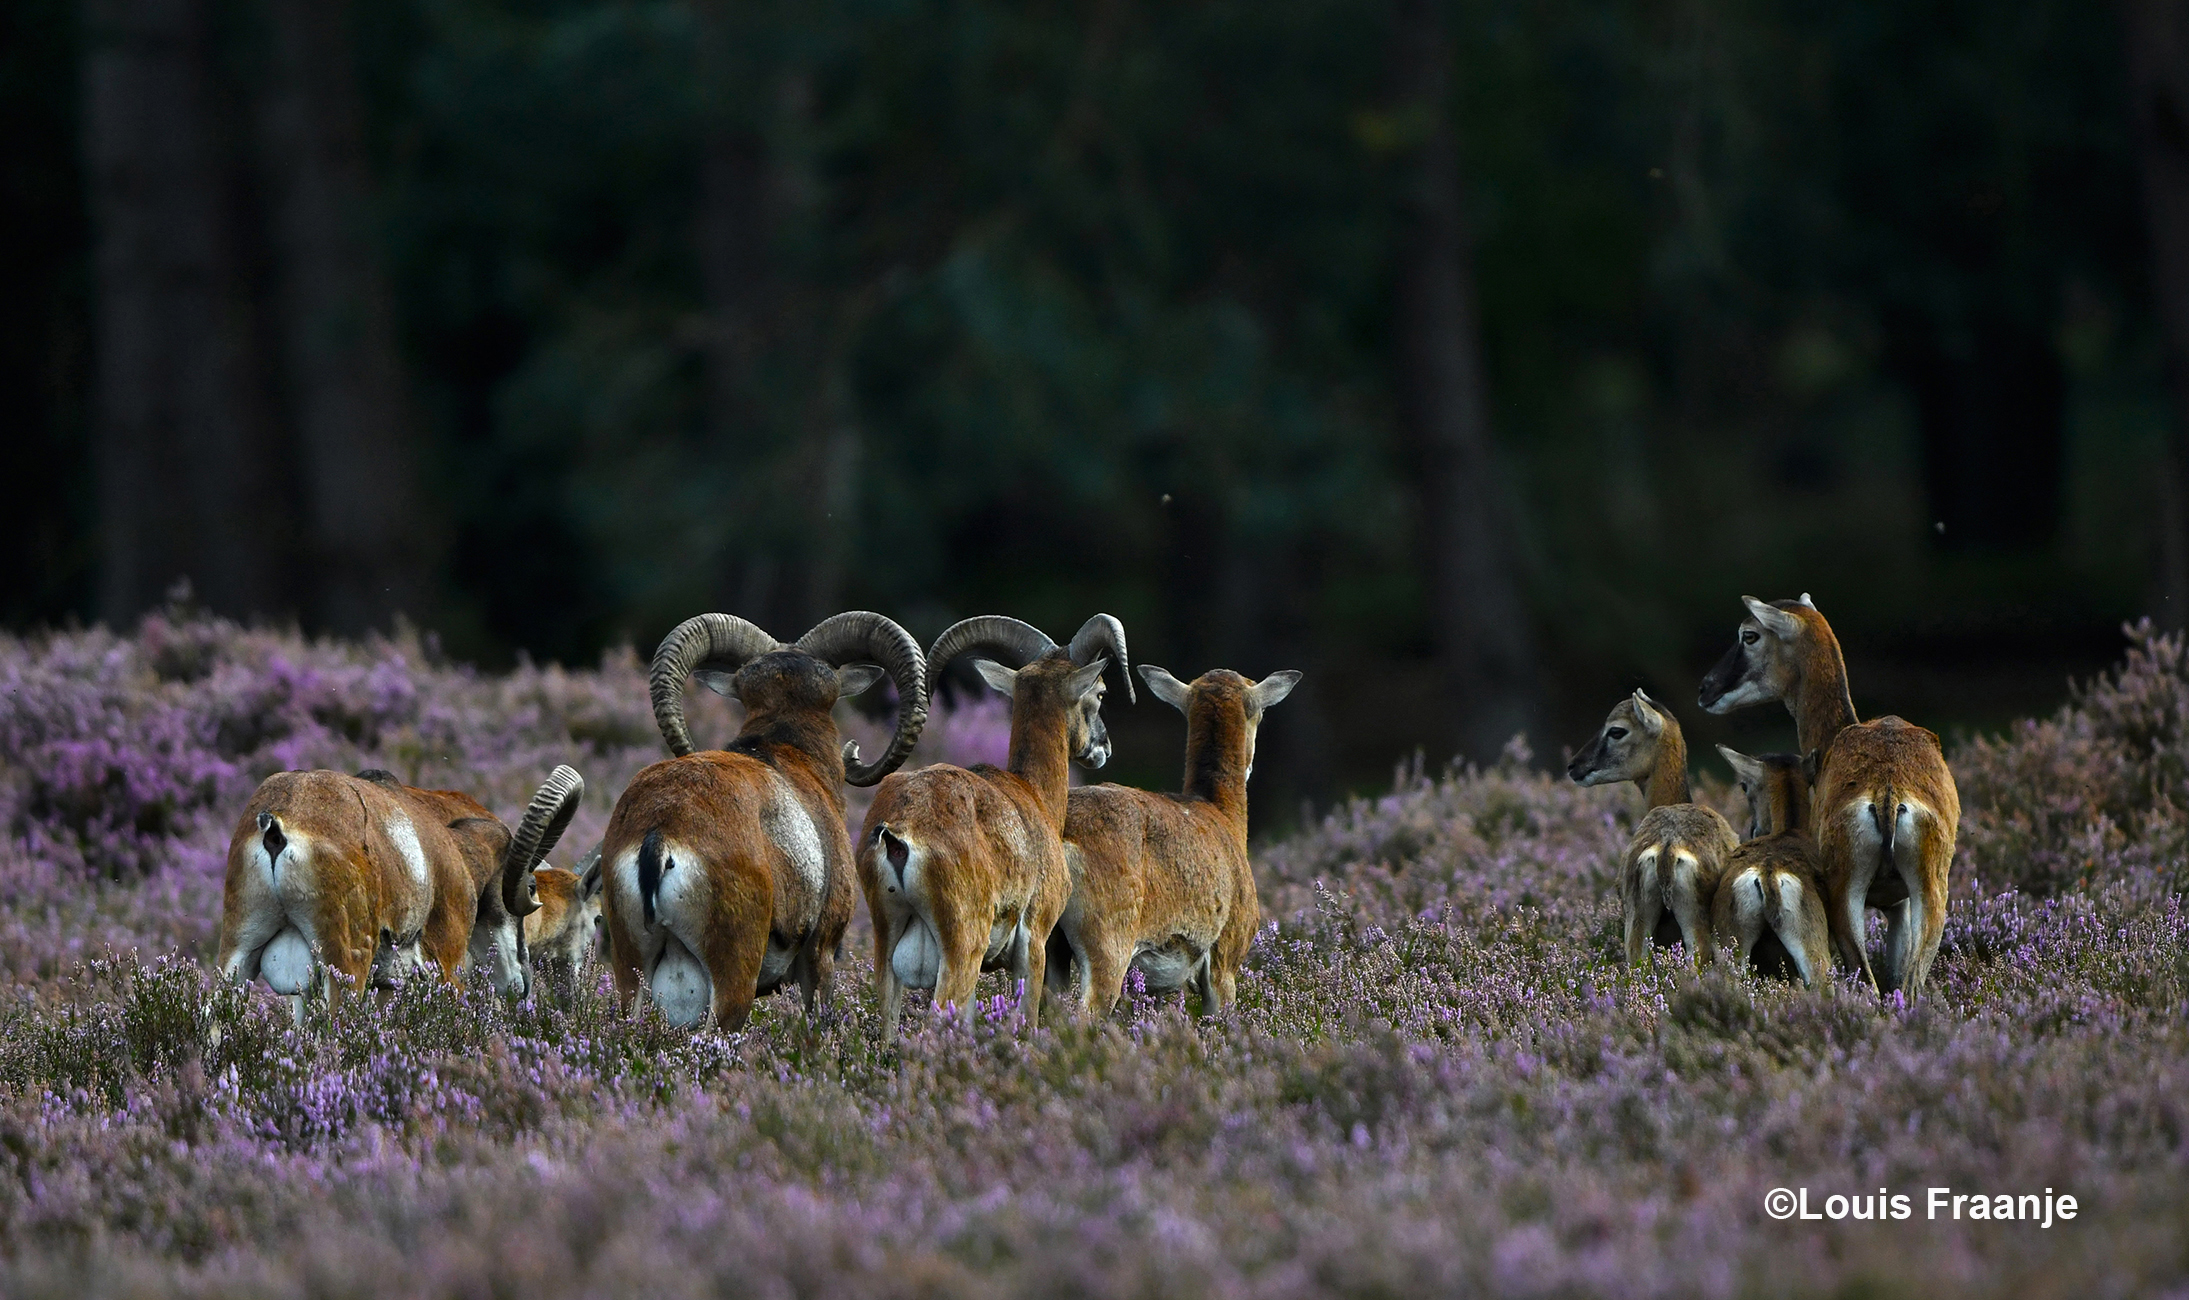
(405, 836)
(917, 959)
(1789, 901)
(786, 821)
(287, 962)
(680, 985)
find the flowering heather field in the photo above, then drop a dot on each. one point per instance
(1437, 1080)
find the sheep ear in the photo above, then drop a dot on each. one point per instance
(1084, 677)
(1166, 687)
(721, 683)
(854, 678)
(1648, 714)
(1774, 620)
(1744, 767)
(1273, 688)
(1811, 764)
(1000, 679)
(589, 874)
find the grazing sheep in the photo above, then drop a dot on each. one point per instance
(374, 879)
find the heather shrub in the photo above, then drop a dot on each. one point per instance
(1438, 1076)
(127, 759)
(2097, 792)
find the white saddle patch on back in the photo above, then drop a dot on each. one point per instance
(405, 837)
(917, 959)
(287, 962)
(680, 985)
(790, 826)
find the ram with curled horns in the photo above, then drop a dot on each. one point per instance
(372, 879)
(729, 872)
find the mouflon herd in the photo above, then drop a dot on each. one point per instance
(725, 874)
(1864, 816)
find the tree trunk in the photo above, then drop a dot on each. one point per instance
(367, 538)
(190, 481)
(1477, 614)
(2157, 36)
(778, 397)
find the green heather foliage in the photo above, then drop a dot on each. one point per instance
(1437, 1080)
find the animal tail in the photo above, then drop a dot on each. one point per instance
(651, 867)
(1685, 865)
(894, 849)
(1885, 813)
(269, 825)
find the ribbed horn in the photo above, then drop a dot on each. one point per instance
(1104, 635)
(864, 638)
(722, 641)
(545, 819)
(1005, 640)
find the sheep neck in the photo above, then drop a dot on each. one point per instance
(1786, 802)
(1039, 741)
(1666, 782)
(1216, 759)
(1819, 700)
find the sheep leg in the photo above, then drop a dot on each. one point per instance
(1692, 915)
(963, 941)
(1642, 916)
(1901, 922)
(888, 989)
(1021, 967)
(1105, 958)
(1849, 922)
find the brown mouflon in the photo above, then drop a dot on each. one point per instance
(1884, 806)
(726, 873)
(1678, 851)
(373, 879)
(1161, 882)
(964, 867)
(1769, 906)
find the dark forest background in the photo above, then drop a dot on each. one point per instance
(1473, 356)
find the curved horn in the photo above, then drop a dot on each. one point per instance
(1104, 635)
(545, 819)
(861, 637)
(1005, 640)
(723, 640)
